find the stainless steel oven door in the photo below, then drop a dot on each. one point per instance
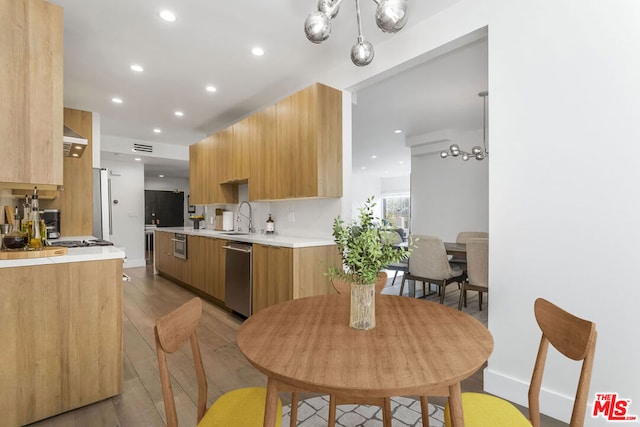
(180, 246)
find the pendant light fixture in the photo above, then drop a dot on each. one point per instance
(391, 17)
(477, 152)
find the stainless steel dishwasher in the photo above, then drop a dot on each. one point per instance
(238, 277)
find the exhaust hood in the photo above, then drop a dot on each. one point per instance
(74, 144)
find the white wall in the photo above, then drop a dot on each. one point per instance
(363, 186)
(127, 187)
(171, 184)
(563, 207)
(395, 184)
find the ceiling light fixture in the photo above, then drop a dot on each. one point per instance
(138, 159)
(156, 130)
(211, 89)
(116, 100)
(397, 131)
(391, 17)
(160, 176)
(477, 152)
(179, 113)
(257, 51)
(168, 16)
(137, 68)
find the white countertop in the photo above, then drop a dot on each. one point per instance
(92, 253)
(263, 239)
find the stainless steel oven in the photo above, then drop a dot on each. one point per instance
(180, 245)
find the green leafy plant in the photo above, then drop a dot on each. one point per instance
(366, 247)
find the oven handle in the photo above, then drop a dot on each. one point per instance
(232, 248)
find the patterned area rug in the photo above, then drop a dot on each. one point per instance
(313, 412)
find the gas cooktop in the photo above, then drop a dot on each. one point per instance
(79, 243)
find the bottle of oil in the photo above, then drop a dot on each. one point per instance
(271, 226)
(35, 241)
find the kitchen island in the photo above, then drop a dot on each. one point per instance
(284, 267)
(61, 332)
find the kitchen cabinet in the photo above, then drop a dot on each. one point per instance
(244, 134)
(166, 262)
(208, 169)
(260, 131)
(31, 106)
(206, 260)
(62, 338)
(309, 144)
(272, 276)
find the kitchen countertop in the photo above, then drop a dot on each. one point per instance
(93, 253)
(263, 239)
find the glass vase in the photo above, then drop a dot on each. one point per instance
(363, 307)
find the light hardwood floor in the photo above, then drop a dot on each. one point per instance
(148, 297)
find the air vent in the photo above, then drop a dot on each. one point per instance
(142, 148)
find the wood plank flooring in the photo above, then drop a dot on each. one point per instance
(148, 297)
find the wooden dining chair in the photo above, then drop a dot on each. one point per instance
(477, 270)
(239, 408)
(429, 263)
(574, 338)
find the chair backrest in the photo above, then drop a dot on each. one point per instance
(575, 338)
(172, 331)
(463, 236)
(429, 258)
(343, 287)
(478, 261)
(390, 237)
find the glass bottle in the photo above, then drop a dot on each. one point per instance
(271, 226)
(35, 241)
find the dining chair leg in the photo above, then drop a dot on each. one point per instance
(462, 292)
(480, 299)
(331, 421)
(294, 409)
(443, 286)
(402, 285)
(386, 412)
(393, 282)
(424, 409)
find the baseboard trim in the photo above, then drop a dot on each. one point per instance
(552, 404)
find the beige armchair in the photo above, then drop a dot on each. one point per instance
(429, 263)
(477, 270)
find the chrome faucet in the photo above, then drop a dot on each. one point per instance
(250, 217)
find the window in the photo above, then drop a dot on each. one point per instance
(396, 210)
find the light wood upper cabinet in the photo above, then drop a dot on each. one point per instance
(243, 132)
(205, 173)
(309, 143)
(261, 134)
(31, 104)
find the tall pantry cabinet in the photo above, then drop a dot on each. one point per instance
(31, 104)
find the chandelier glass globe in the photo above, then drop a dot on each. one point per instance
(391, 15)
(329, 8)
(317, 27)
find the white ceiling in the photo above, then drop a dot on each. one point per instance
(210, 43)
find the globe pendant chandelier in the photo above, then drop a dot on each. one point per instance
(477, 152)
(391, 16)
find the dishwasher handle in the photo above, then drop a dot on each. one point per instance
(237, 249)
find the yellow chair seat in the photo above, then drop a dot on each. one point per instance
(484, 410)
(239, 408)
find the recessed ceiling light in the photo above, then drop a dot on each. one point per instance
(76, 155)
(168, 16)
(257, 51)
(77, 147)
(363, 168)
(374, 157)
(401, 162)
(211, 88)
(397, 131)
(156, 130)
(116, 100)
(138, 159)
(179, 113)
(160, 176)
(137, 68)
(386, 171)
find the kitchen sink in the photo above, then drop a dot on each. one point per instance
(235, 233)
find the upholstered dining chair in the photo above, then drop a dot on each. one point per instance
(429, 263)
(463, 237)
(393, 237)
(239, 408)
(574, 338)
(477, 270)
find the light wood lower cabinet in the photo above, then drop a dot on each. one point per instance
(206, 262)
(61, 338)
(281, 274)
(272, 276)
(166, 262)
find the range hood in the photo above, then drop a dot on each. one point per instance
(74, 144)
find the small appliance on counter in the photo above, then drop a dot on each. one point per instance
(51, 219)
(227, 221)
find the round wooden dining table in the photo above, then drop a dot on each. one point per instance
(418, 348)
